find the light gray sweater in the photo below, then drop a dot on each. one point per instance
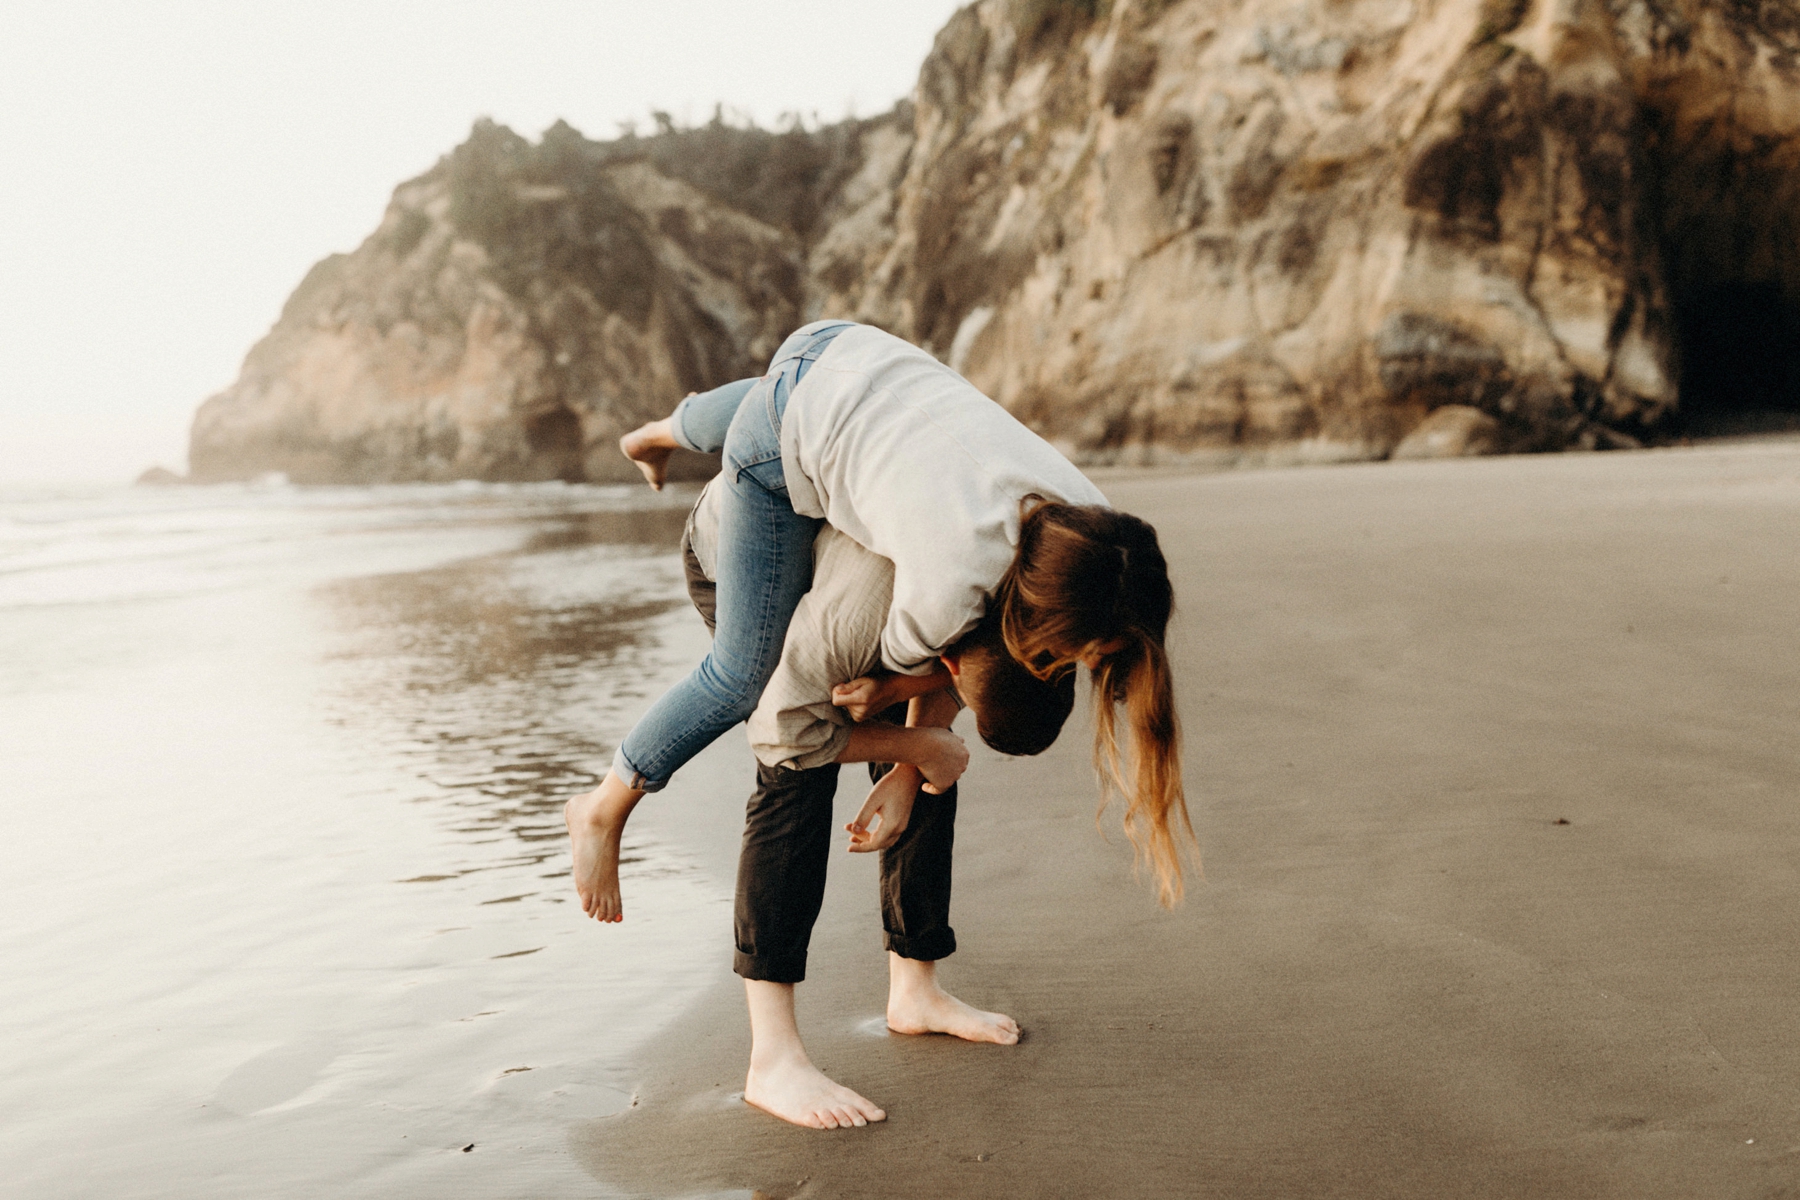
(904, 455)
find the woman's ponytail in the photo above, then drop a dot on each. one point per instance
(1090, 584)
(1138, 680)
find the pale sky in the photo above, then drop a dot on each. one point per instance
(172, 169)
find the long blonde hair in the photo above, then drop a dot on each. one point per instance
(1090, 583)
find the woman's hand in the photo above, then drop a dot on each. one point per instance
(889, 807)
(864, 697)
(872, 694)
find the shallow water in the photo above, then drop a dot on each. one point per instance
(283, 893)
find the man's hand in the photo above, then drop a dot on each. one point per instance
(889, 807)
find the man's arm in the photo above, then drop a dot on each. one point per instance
(938, 754)
(892, 797)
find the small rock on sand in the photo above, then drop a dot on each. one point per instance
(1452, 431)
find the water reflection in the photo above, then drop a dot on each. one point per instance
(657, 528)
(226, 973)
(504, 682)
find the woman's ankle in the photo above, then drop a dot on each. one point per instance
(654, 434)
(609, 805)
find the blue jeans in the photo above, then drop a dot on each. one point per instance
(764, 564)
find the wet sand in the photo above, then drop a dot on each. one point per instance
(1495, 769)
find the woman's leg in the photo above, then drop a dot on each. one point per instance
(764, 566)
(703, 420)
(596, 822)
(699, 422)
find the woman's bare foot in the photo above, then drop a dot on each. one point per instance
(916, 1004)
(796, 1091)
(649, 446)
(596, 823)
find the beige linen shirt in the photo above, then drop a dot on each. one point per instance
(834, 637)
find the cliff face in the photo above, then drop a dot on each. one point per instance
(1198, 227)
(522, 305)
(1163, 231)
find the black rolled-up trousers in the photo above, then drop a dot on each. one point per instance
(787, 844)
(781, 875)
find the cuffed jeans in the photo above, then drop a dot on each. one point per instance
(764, 564)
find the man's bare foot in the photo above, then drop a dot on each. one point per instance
(596, 823)
(796, 1091)
(917, 1004)
(649, 446)
(783, 1081)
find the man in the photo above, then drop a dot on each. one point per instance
(800, 736)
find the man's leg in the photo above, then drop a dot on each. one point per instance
(783, 1081)
(780, 886)
(915, 917)
(781, 871)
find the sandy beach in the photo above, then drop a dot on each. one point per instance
(1494, 766)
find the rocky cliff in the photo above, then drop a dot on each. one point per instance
(1158, 230)
(523, 304)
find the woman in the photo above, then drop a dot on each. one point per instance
(907, 458)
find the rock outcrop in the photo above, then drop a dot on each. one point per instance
(521, 305)
(1158, 230)
(1206, 226)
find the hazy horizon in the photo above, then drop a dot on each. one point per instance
(174, 173)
